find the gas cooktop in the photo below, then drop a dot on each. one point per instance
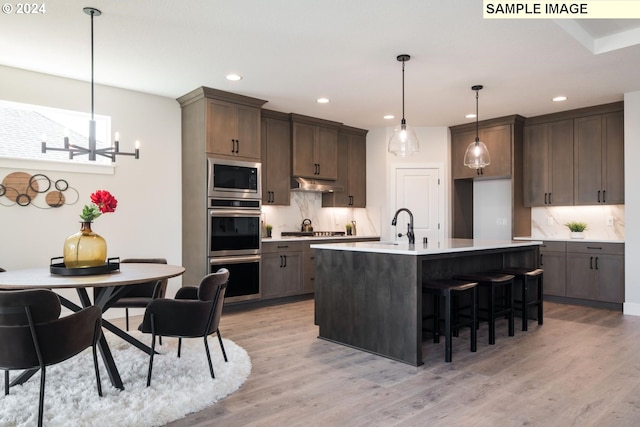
(312, 233)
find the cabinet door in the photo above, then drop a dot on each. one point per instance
(276, 162)
(303, 156)
(609, 271)
(498, 142)
(271, 275)
(291, 274)
(580, 276)
(613, 162)
(326, 153)
(459, 143)
(221, 127)
(554, 265)
(560, 163)
(341, 198)
(587, 160)
(535, 165)
(358, 171)
(308, 271)
(248, 132)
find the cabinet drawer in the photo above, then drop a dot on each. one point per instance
(276, 247)
(553, 247)
(596, 248)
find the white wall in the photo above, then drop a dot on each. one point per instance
(632, 202)
(434, 152)
(147, 222)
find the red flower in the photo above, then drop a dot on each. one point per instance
(104, 200)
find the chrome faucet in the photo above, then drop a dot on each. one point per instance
(410, 235)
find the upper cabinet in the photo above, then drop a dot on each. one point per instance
(314, 148)
(575, 157)
(498, 139)
(503, 138)
(548, 164)
(276, 158)
(233, 129)
(599, 159)
(352, 170)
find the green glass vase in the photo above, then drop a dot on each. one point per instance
(84, 248)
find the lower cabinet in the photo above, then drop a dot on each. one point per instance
(288, 267)
(595, 271)
(585, 271)
(281, 269)
(553, 260)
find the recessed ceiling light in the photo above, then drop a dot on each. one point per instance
(322, 100)
(389, 117)
(234, 77)
(559, 98)
(471, 116)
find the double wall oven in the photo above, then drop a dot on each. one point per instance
(234, 229)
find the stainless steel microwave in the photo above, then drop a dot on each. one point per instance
(234, 179)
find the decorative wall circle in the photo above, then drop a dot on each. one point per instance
(22, 189)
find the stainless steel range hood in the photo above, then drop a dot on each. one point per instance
(319, 185)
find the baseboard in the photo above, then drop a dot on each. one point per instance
(631, 308)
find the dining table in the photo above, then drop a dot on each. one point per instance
(107, 288)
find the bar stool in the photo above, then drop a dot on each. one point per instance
(449, 289)
(497, 307)
(528, 277)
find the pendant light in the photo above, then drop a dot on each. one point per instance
(404, 141)
(92, 151)
(477, 154)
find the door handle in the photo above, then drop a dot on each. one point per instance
(546, 198)
(541, 255)
(549, 198)
(603, 196)
(285, 260)
(281, 261)
(598, 196)
(591, 263)
(596, 263)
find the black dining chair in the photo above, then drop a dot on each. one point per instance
(194, 313)
(33, 335)
(141, 294)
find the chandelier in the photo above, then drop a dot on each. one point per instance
(92, 151)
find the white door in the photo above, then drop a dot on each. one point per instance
(418, 189)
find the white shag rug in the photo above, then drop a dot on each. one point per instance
(179, 386)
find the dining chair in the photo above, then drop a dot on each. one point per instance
(140, 295)
(33, 335)
(194, 313)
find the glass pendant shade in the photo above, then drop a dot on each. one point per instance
(404, 141)
(477, 155)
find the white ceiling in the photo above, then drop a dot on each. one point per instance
(290, 52)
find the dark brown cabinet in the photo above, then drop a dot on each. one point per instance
(314, 147)
(548, 164)
(503, 137)
(595, 271)
(233, 130)
(276, 158)
(498, 141)
(599, 159)
(281, 269)
(352, 170)
(211, 118)
(553, 260)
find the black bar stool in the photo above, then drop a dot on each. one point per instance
(528, 277)
(449, 289)
(497, 306)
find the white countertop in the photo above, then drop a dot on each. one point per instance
(447, 246)
(309, 238)
(559, 239)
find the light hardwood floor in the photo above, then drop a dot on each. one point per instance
(581, 368)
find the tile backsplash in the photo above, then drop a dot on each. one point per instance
(604, 222)
(309, 205)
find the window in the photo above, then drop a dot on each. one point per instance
(24, 127)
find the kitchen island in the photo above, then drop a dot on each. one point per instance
(368, 295)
